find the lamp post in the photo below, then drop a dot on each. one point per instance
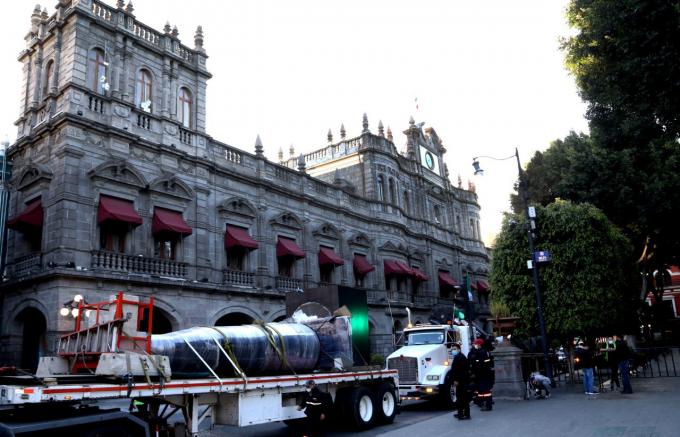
(523, 191)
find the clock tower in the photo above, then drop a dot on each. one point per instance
(425, 147)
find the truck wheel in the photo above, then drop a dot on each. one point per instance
(359, 408)
(385, 404)
(447, 394)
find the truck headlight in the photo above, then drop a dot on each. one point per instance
(432, 377)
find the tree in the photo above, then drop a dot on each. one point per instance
(587, 288)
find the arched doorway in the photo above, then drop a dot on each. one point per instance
(33, 343)
(280, 318)
(398, 331)
(234, 319)
(161, 323)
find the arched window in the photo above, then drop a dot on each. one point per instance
(393, 192)
(473, 230)
(143, 90)
(49, 72)
(184, 105)
(96, 70)
(381, 188)
(407, 203)
(437, 214)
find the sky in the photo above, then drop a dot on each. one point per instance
(488, 75)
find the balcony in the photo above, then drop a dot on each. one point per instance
(120, 262)
(27, 265)
(288, 284)
(239, 278)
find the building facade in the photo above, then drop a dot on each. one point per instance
(117, 186)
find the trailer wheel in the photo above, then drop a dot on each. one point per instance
(385, 404)
(447, 394)
(359, 408)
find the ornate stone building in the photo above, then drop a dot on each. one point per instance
(117, 186)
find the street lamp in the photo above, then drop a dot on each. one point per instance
(523, 191)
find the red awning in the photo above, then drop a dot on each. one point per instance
(239, 237)
(418, 275)
(166, 221)
(117, 210)
(30, 217)
(446, 280)
(482, 286)
(327, 257)
(361, 265)
(288, 247)
(397, 268)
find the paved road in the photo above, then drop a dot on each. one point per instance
(652, 411)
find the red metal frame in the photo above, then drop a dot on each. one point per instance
(89, 358)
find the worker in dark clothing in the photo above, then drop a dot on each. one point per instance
(584, 357)
(482, 373)
(316, 405)
(461, 379)
(623, 355)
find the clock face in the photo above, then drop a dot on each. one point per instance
(429, 160)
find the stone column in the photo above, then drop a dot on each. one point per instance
(509, 382)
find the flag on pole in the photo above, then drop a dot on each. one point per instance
(417, 103)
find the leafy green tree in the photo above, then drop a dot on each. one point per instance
(587, 288)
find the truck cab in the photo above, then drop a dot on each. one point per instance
(424, 362)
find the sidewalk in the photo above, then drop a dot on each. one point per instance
(652, 411)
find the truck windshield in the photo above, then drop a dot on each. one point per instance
(425, 337)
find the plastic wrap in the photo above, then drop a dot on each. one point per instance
(251, 346)
(335, 340)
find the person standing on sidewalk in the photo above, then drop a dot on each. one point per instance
(623, 355)
(482, 372)
(612, 358)
(585, 359)
(460, 375)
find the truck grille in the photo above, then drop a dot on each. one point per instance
(407, 368)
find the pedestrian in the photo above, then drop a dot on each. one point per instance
(539, 383)
(613, 363)
(623, 355)
(460, 375)
(316, 405)
(585, 359)
(483, 375)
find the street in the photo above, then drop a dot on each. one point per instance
(650, 412)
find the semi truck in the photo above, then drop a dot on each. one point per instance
(112, 355)
(424, 362)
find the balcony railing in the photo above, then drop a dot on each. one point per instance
(120, 262)
(288, 284)
(237, 277)
(27, 265)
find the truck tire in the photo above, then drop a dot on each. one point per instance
(447, 394)
(385, 403)
(359, 408)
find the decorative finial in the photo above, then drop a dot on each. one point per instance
(44, 15)
(411, 121)
(120, 4)
(198, 39)
(471, 187)
(364, 123)
(301, 163)
(129, 8)
(258, 146)
(166, 28)
(175, 32)
(343, 134)
(280, 154)
(460, 181)
(389, 134)
(381, 130)
(35, 20)
(330, 136)
(291, 151)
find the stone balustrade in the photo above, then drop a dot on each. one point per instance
(26, 265)
(237, 277)
(120, 262)
(288, 284)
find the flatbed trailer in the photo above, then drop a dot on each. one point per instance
(362, 397)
